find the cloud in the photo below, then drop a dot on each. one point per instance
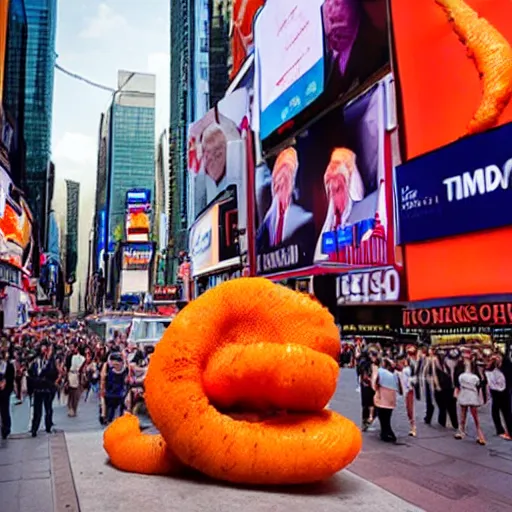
(75, 149)
(159, 64)
(104, 23)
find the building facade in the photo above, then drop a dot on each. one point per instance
(41, 21)
(181, 37)
(14, 86)
(101, 193)
(132, 145)
(72, 223)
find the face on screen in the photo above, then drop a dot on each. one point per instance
(341, 21)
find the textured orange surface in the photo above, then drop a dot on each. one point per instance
(240, 337)
(441, 90)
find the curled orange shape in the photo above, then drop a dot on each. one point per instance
(219, 340)
(492, 55)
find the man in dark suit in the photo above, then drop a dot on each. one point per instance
(357, 41)
(285, 222)
(43, 374)
(6, 389)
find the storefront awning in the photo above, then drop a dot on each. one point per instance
(218, 267)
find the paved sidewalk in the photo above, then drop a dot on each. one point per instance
(101, 487)
(35, 475)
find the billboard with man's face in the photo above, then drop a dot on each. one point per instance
(324, 200)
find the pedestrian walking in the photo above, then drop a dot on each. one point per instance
(387, 385)
(114, 379)
(468, 385)
(427, 378)
(6, 389)
(500, 397)
(43, 375)
(444, 391)
(74, 380)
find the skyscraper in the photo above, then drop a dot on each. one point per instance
(72, 222)
(132, 145)
(41, 20)
(14, 85)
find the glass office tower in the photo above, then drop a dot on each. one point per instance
(41, 21)
(14, 85)
(133, 144)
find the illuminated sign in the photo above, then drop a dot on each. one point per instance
(137, 256)
(289, 43)
(204, 241)
(382, 285)
(138, 196)
(473, 314)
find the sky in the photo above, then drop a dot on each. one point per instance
(96, 38)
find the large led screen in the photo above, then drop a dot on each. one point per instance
(454, 64)
(324, 199)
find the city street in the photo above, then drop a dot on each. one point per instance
(69, 471)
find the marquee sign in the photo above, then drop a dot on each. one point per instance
(472, 314)
(366, 287)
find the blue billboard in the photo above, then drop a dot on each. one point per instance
(461, 188)
(100, 244)
(138, 196)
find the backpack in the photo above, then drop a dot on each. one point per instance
(115, 383)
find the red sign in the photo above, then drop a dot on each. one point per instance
(473, 314)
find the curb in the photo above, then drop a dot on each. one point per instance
(65, 498)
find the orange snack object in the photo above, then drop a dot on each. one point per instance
(229, 335)
(492, 55)
(131, 450)
(267, 376)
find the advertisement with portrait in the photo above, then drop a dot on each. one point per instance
(137, 256)
(325, 200)
(314, 53)
(217, 153)
(461, 90)
(241, 34)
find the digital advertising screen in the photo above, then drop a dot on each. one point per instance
(242, 39)
(137, 256)
(454, 68)
(290, 57)
(315, 53)
(324, 200)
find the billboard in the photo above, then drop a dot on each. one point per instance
(346, 39)
(137, 256)
(16, 235)
(290, 58)
(138, 215)
(204, 241)
(462, 88)
(242, 18)
(138, 196)
(217, 156)
(464, 83)
(461, 188)
(325, 199)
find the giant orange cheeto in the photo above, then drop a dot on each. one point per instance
(237, 388)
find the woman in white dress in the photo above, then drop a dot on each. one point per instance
(467, 390)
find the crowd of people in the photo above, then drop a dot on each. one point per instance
(60, 359)
(455, 380)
